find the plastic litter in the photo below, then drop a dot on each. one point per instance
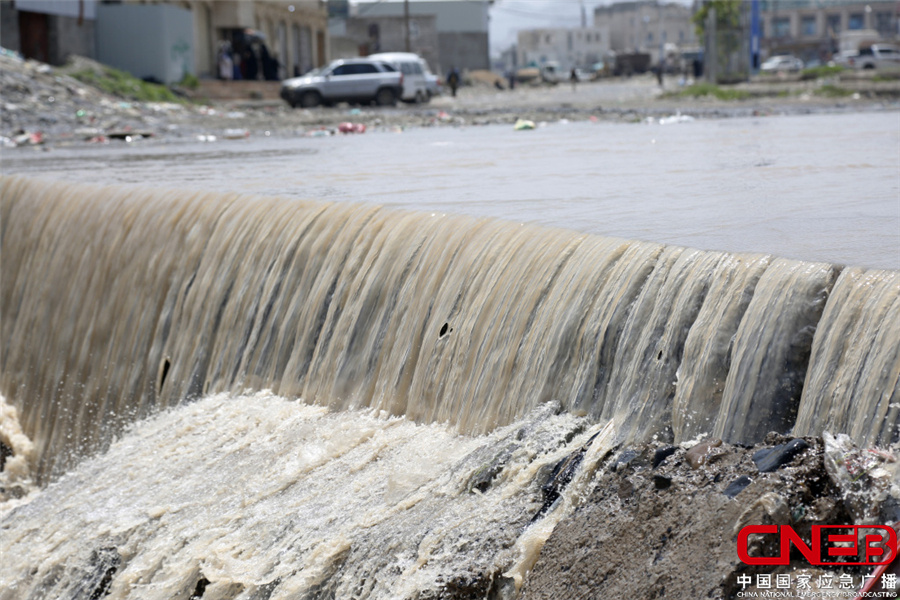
(236, 134)
(25, 138)
(347, 127)
(523, 125)
(679, 118)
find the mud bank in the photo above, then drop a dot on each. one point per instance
(671, 531)
(44, 106)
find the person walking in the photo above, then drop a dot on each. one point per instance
(453, 80)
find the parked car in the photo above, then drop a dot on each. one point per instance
(359, 80)
(876, 56)
(781, 63)
(415, 74)
(434, 85)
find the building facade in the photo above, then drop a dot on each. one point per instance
(370, 35)
(49, 30)
(570, 48)
(461, 25)
(817, 29)
(295, 32)
(647, 26)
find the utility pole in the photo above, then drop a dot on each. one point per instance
(406, 22)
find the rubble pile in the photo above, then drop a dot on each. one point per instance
(664, 521)
(41, 104)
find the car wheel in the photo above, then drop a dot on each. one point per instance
(310, 99)
(385, 97)
(421, 97)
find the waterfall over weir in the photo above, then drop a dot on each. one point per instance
(117, 302)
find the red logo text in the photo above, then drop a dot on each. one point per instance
(829, 544)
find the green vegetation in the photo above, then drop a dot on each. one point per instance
(120, 83)
(728, 15)
(189, 81)
(820, 71)
(833, 91)
(708, 89)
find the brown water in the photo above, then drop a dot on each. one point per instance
(815, 187)
(464, 357)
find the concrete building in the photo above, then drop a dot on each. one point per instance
(294, 31)
(462, 28)
(49, 30)
(569, 48)
(816, 29)
(370, 35)
(646, 26)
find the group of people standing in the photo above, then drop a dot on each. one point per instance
(249, 60)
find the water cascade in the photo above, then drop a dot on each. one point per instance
(118, 302)
(412, 328)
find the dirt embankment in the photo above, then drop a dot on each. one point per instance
(46, 106)
(663, 522)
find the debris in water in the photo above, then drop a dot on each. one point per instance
(737, 486)
(662, 454)
(347, 127)
(236, 134)
(698, 455)
(523, 125)
(770, 459)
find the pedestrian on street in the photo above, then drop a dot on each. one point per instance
(453, 80)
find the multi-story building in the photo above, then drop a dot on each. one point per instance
(816, 29)
(294, 31)
(461, 25)
(569, 48)
(646, 26)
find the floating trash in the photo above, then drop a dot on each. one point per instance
(523, 124)
(348, 127)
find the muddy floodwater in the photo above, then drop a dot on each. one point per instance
(823, 187)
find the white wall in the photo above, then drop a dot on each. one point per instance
(146, 40)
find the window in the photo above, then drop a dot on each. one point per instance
(883, 24)
(808, 26)
(833, 24)
(354, 69)
(856, 21)
(781, 27)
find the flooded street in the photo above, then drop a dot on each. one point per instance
(815, 187)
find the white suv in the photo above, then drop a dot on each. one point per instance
(354, 80)
(415, 71)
